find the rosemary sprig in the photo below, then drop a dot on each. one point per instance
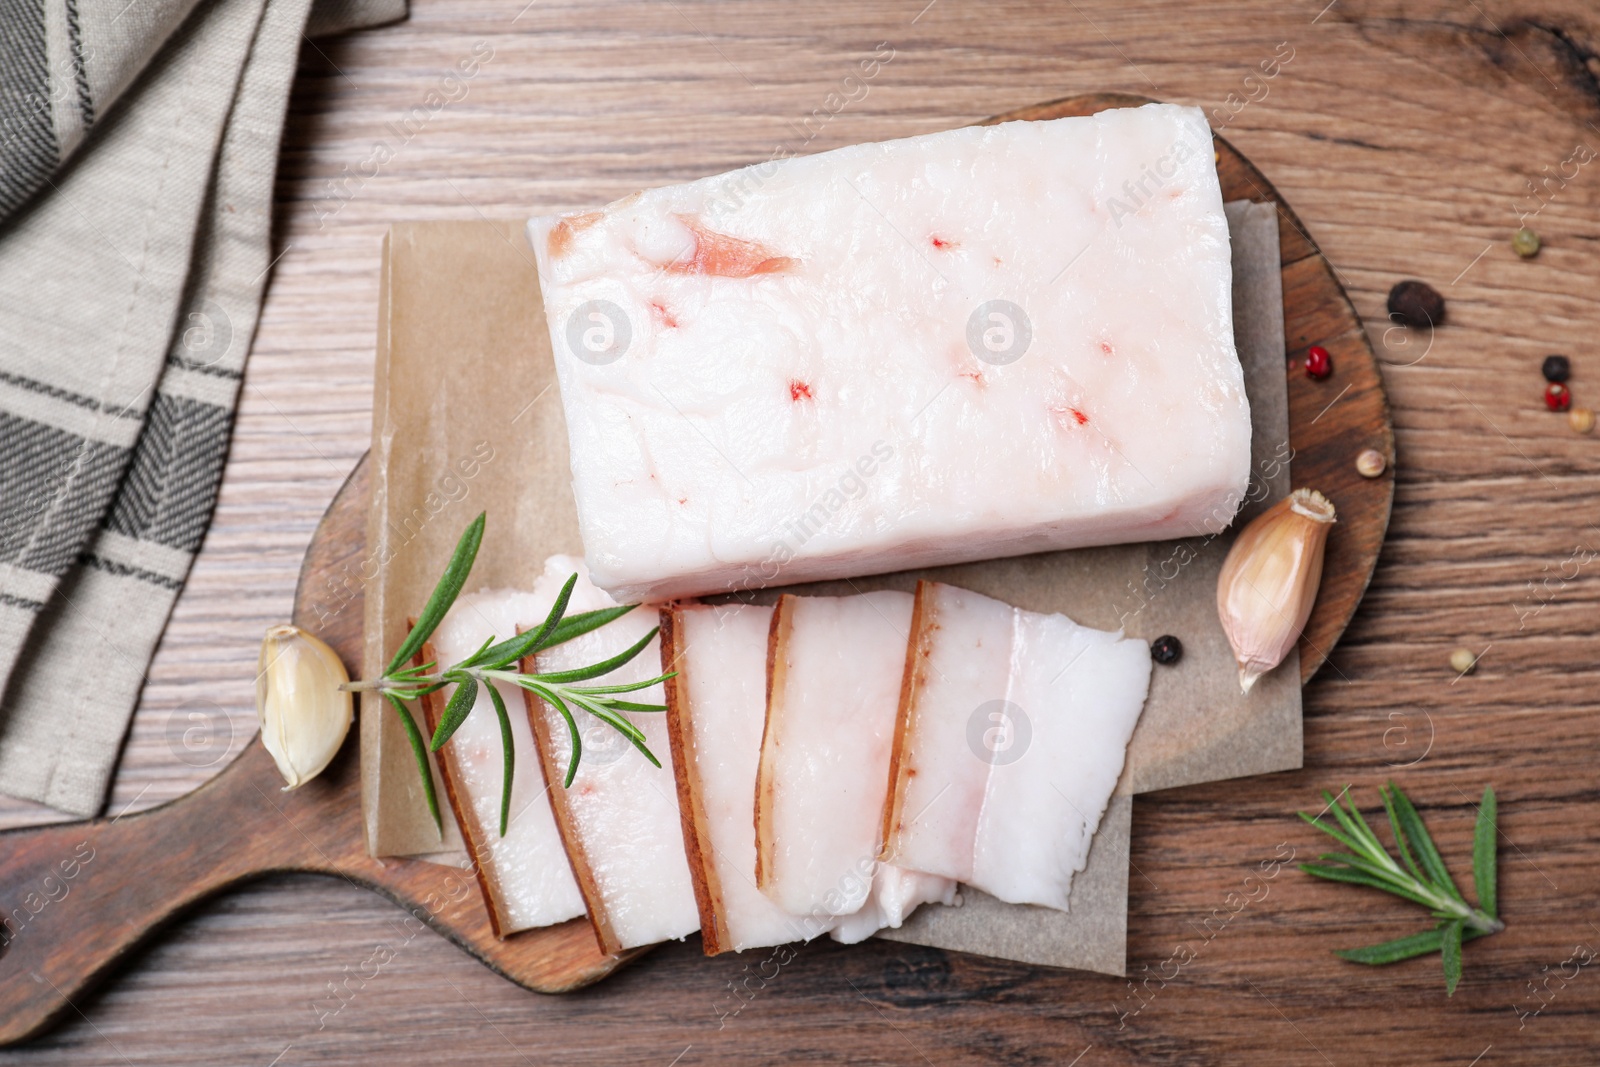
(494, 661)
(1423, 880)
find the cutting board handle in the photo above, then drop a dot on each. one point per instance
(77, 896)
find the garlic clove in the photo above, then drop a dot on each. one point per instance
(1269, 581)
(304, 713)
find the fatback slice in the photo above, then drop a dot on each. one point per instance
(525, 877)
(1012, 733)
(716, 707)
(834, 675)
(619, 818)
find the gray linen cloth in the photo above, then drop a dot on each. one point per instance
(138, 145)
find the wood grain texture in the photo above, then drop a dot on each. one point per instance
(1406, 135)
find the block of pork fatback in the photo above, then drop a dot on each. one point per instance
(964, 345)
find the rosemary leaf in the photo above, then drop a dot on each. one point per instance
(572, 730)
(412, 672)
(1366, 831)
(414, 691)
(1355, 877)
(513, 649)
(1404, 948)
(628, 730)
(1401, 948)
(1426, 852)
(473, 659)
(1393, 882)
(1338, 835)
(568, 628)
(509, 760)
(455, 712)
(1484, 866)
(1450, 949)
(1362, 844)
(623, 726)
(600, 708)
(644, 750)
(633, 737)
(1399, 836)
(583, 622)
(595, 670)
(625, 687)
(420, 751)
(444, 594)
(557, 611)
(506, 652)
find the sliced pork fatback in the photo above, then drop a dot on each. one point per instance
(978, 343)
(524, 875)
(835, 666)
(896, 893)
(716, 705)
(619, 818)
(1012, 733)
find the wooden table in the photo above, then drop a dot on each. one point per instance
(1405, 140)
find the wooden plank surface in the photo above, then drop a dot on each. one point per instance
(1405, 136)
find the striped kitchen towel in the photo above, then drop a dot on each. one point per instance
(138, 145)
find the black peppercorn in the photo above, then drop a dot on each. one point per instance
(1416, 304)
(1556, 368)
(1166, 650)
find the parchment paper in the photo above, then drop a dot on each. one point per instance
(464, 366)
(463, 371)
(1093, 936)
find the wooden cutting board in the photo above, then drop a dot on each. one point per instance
(133, 874)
